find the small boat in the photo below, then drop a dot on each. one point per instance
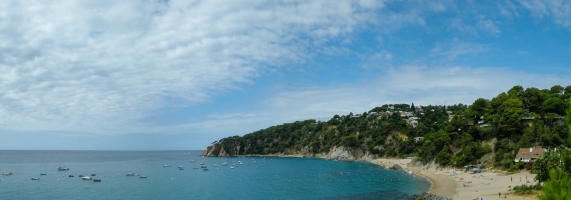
(130, 173)
(180, 168)
(80, 176)
(63, 169)
(142, 176)
(232, 167)
(225, 163)
(96, 180)
(166, 166)
(92, 174)
(86, 178)
(34, 178)
(7, 174)
(203, 166)
(195, 167)
(42, 174)
(191, 160)
(215, 165)
(70, 175)
(205, 169)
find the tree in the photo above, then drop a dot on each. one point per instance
(510, 113)
(557, 89)
(554, 105)
(412, 108)
(557, 187)
(568, 120)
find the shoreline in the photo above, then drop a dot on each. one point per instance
(468, 185)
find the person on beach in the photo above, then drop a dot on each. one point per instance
(499, 195)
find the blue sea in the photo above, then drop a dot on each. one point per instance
(256, 178)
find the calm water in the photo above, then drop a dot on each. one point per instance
(269, 178)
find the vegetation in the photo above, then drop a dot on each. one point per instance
(453, 135)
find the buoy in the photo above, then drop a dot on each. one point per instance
(58, 179)
(173, 179)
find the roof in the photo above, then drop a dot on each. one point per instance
(530, 153)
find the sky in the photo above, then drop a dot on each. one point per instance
(178, 75)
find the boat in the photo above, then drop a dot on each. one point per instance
(130, 173)
(142, 176)
(215, 165)
(231, 167)
(205, 169)
(70, 175)
(86, 178)
(166, 166)
(92, 174)
(180, 166)
(195, 167)
(7, 174)
(63, 169)
(80, 176)
(225, 163)
(34, 178)
(191, 160)
(96, 180)
(42, 174)
(203, 166)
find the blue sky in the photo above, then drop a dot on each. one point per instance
(178, 75)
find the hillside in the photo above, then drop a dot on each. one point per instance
(487, 131)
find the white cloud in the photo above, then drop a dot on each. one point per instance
(489, 26)
(558, 10)
(455, 48)
(101, 66)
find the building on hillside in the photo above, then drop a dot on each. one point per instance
(529, 154)
(418, 139)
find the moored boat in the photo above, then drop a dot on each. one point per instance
(142, 176)
(96, 180)
(63, 169)
(166, 166)
(86, 178)
(70, 175)
(130, 173)
(34, 178)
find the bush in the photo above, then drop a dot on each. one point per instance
(526, 189)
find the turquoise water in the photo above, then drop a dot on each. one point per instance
(269, 178)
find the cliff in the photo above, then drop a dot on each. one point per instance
(335, 153)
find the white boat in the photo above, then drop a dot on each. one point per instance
(231, 167)
(180, 166)
(225, 163)
(86, 178)
(130, 173)
(166, 166)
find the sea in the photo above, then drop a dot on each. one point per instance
(255, 178)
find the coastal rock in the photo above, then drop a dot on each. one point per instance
(429, 196)
(340, 153)
(214, 151)
(397, 167)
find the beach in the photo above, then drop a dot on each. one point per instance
(466, 185)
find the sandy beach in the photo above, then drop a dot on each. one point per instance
(468, 185)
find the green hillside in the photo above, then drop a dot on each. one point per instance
(487, 131)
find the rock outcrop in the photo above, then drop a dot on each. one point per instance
(429, 196)
(215, 150)
(396, 167)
